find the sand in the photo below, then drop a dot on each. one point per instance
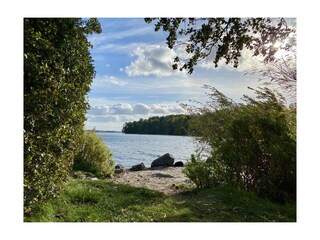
(169, 180)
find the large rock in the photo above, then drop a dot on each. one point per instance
(178, 164)
(138, 167)
(119, 169)
(165, 160)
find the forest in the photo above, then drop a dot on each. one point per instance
(165, 125)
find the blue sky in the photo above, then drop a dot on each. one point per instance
(134, 78)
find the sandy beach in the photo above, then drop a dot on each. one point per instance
(169, 180)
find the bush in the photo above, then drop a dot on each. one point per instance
(58, 71)
(254, 142)
(203, 174)
(94, 156)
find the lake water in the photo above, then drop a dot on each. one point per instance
(131, 149)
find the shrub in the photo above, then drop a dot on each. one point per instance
(254, 142)
(58, 71)
(203, 174)
(94, 156)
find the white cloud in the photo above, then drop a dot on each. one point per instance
(103, 83)
(110, 36)
(153, 60)
(112, 117)
(122, 108)
(159, 109)
(118, 48)
(176, 109)
(134, 109)
(98, 110)
(166, 109)
(113, 81)
(141, 108)
(247, 62)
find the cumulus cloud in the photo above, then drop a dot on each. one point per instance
(159, 109)
(122, 108)
(141, 108)
(153, 60)
(134, 109)
(110, 118)
(166, 109)
(247, 62)
(98, 110)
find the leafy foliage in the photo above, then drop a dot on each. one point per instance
(204, 174)
(94, 156)
(224, 37)
(58, 71)
(166, 125)
(255, 143)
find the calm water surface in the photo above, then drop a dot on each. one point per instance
(131, 149)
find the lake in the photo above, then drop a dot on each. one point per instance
(131, 149)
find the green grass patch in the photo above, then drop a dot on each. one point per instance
(101, 201)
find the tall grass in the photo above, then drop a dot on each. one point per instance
(94, 156)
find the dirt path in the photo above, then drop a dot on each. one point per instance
(168, 180)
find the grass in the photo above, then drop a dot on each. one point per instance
(101, 201)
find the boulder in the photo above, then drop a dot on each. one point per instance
(138, 167)
(119, 169)
(165, 160)
(178, 164)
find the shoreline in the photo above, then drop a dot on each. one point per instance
(168, 180)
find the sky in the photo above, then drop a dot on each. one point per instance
(134, 76)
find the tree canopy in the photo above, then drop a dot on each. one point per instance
(225, 38)
(165, 125)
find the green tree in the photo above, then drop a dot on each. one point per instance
(58, 71)
(223, 37)
(166, 125)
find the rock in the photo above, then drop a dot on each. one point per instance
(178, 164)
(138, 167)
(119, 166)
(119, 169)
(164, 160)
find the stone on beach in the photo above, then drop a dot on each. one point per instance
(138, 167)
(178, 164)
(119, 169)
(165, 160)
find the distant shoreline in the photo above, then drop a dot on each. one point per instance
(158, 134)
(107, 131)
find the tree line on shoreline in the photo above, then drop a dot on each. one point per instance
(165, 125)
